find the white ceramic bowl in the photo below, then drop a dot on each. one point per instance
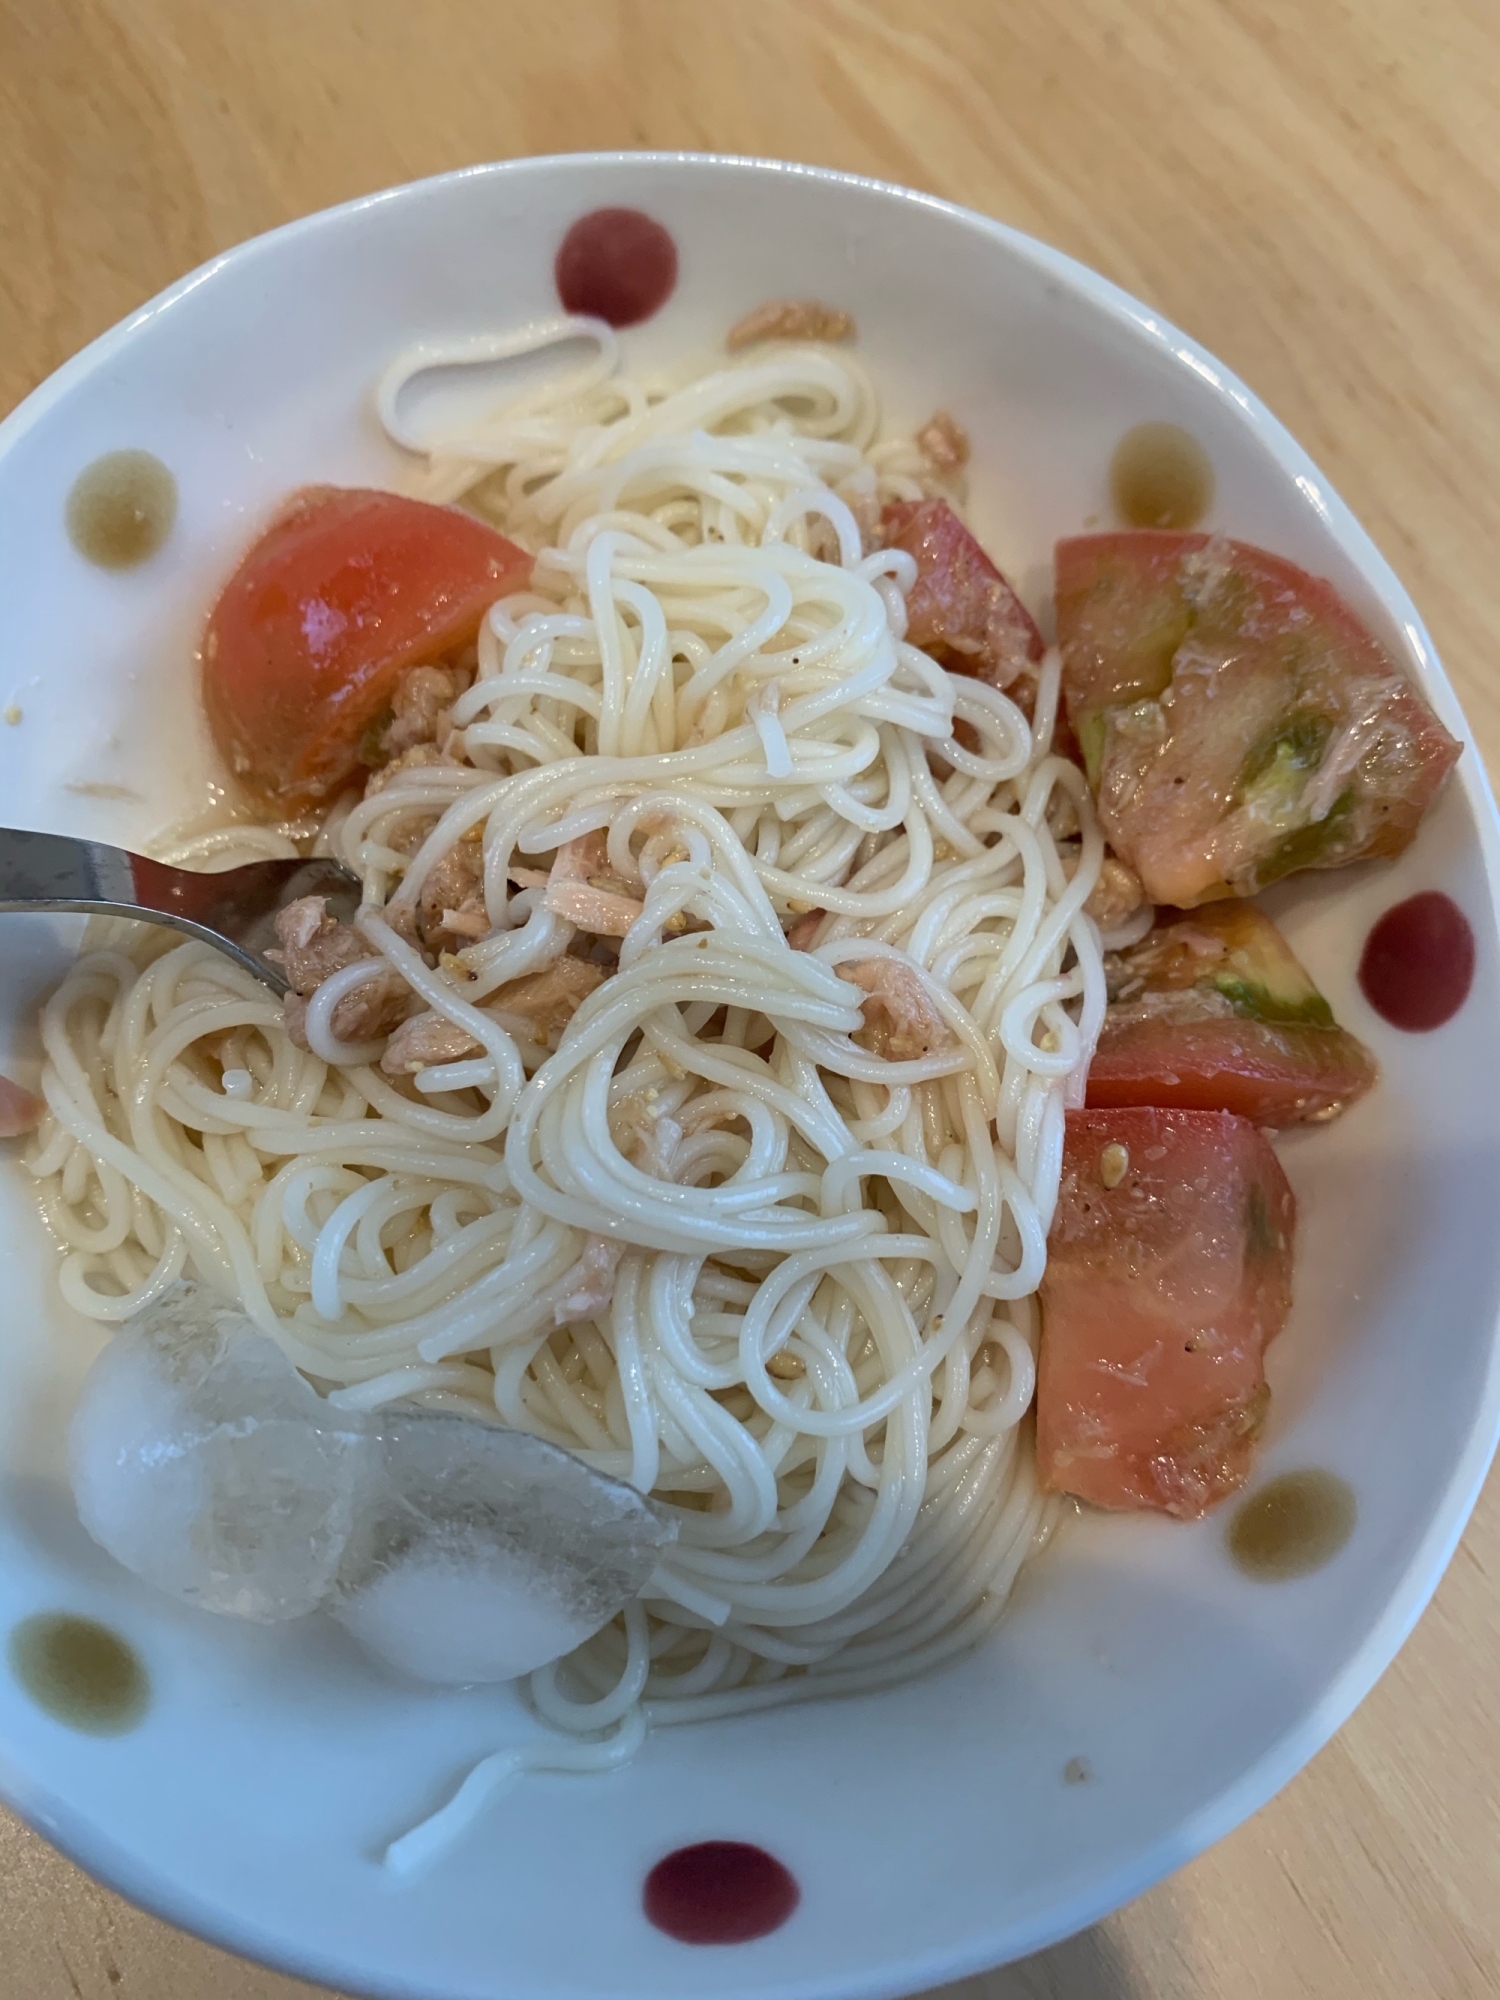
(930, 1828)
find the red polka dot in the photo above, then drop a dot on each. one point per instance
(616, 264)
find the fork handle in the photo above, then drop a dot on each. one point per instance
(233, 909)
(55, 871)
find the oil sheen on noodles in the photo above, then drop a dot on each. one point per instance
(817, 1339)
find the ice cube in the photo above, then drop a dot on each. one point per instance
(454, 1550)
(203, 1462)
(479, 1553)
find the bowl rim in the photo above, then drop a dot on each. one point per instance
(104, 1859)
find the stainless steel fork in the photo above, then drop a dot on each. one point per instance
(234, 910)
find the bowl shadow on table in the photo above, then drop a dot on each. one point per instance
(1087, 1967)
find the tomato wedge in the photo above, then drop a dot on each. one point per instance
(961, 609)
(1212, 1011)
(1238, 721)
(1169, 1270)
(341, 594)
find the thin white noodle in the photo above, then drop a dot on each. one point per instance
(821, 1340)
(413, 1851)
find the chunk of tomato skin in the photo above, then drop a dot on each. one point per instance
(346, 590)
(1228, 949)
(1151, 625)
(1120, 615)
(1213, 1011)
(1161, 1294)
(1272, 1073)
(1125, 604)
(961, 609)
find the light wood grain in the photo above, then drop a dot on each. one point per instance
(1312, 187)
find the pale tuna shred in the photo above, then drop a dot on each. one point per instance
(547, 999)
(901, 1021)
(588, 1287)
(420, 757)
(581, 892)
(314, 946)
(425, 1039)
(450, 903)
(600, 911)
(944, 444)
(421, 708)
(790, 319)
(1116, 896)
(363, 1015)
(802, 935)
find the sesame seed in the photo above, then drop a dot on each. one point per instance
(1114, 1164)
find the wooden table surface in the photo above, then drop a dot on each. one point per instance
(1312, 187)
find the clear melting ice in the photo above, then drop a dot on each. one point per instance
(454, 1550)
(480, 1553)
(202, 1461)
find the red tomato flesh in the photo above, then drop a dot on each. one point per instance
(1212, 1011)
(1238, 721)
(343, 592)
(1161, 1294)
(20, 1111)
(961, 609)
